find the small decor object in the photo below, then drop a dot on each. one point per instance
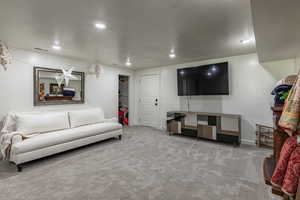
(56, 89)
(69, 92)
(98, 70)
(281, 92)
(59, 79)
(282, 89)
(264, 136)
(42, 91)
(67, 73)
(5, 56)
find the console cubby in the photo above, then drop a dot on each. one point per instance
(213, 126)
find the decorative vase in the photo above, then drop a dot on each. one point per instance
(69, 92)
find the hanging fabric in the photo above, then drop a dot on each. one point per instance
(290, 118)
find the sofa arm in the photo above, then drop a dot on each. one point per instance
(16, 139)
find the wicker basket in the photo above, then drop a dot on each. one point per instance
(264, 136)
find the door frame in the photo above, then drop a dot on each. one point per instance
(130, 119)
(156, 73)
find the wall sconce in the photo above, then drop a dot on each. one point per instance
(5, 56)
(95, 69)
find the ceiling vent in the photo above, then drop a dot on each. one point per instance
(40, 49)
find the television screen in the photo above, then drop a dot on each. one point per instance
(203, 80)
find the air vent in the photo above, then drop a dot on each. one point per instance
(40, 49)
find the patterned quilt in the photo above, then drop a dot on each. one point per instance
(287, 172)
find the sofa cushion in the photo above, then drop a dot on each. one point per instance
(63, 136)
(85, 117)
(41, 122)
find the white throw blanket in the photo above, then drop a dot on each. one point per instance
(6, 142)
(7, 134)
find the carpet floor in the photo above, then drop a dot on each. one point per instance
(145, 164)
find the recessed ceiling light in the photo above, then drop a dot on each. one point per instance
(172, 55)
(100, 26)
(128, 63)
(40, 49)
(56, 47)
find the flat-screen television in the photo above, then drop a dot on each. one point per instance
(203, 80)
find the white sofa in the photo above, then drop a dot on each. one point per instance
(49, 133)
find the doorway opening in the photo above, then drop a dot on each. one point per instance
(123, 107)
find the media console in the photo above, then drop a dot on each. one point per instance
(212, 126)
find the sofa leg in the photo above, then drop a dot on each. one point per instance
(120, 137)
(19, 168)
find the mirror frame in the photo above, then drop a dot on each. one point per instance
(37, 102)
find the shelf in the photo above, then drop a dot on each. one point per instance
(55, 98)
(277, 108)
(190, 127)
(236, 116)
(227, 132)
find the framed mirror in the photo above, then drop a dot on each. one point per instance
(50, 87)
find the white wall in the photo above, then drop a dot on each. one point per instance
(297, 63)
(104, 91)
(280, 68)
(16, 84)
(250, 87)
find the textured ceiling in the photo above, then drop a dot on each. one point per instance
(144, 30)
(277, 29)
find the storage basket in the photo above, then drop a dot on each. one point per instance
(264, 136)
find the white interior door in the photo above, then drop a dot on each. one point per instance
(149, 101)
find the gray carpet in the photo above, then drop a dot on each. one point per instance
(146, 164)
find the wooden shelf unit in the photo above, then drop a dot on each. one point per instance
(55, 98)
(226, 132)
(205, 125)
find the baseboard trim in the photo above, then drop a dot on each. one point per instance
(248, 142)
